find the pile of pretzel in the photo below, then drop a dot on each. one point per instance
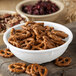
(36, 36)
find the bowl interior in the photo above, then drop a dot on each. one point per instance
(55, 25)
(32, 2)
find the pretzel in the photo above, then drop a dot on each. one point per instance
(38, 47)
(36, 70)
(26, 27)
(27, 43)
(38, 25)
(17, 67)
(43, 71)
(49, 28)
(29, 22)
(39, 31)
(28, 69)
(48, 43)
(12, 31)
(22, 35)
(63, 61)
(29, 25)
(58, 42)
(15, 44)
(32, 69)
(6, 53)
(59, 33)
(54, 37)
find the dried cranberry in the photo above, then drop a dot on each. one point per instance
(36, 12)
(41, 11)
(40, 8)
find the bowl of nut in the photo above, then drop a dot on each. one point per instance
(39, 10)
(39, 41)
(9, 19)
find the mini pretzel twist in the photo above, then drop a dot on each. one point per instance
(27, 25)
(54, 37)
(48, 43)
(39, 46)
(27, 43)
(63, 61)
(6, 53)
(39, 31)
(19, 34)
(17, 67)
(35, 70)
(59, 33)
(14, 42)
(28, 69)
(49, 28)
(43, 71)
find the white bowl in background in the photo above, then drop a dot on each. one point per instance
(39, 56)
(48, 17)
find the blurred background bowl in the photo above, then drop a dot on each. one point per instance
(49, 17)
(7, 27)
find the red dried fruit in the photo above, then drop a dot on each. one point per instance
(40, 8)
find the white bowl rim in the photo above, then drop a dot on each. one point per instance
(39, 51)
(22, 2)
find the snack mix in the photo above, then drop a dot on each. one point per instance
(9, 20)
(36, 36)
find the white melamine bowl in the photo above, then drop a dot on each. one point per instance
(48, 17)
(39, 56)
